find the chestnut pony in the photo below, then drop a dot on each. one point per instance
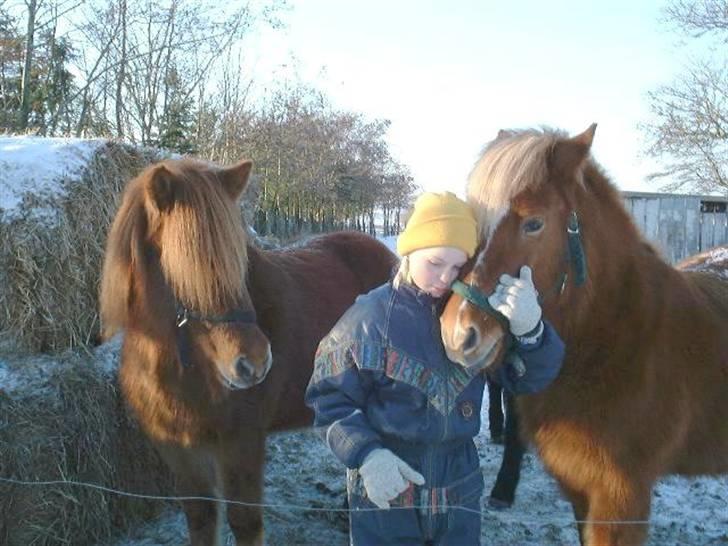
(219, 336)
(643, 390)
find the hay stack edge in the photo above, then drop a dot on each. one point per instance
(62, 418)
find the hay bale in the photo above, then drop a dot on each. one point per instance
(64, 419)
(52, 245)
(51, 251)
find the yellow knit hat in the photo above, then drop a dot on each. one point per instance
(439, 219)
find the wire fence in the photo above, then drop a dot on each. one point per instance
(300, 507)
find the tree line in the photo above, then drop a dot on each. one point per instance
(170, 74)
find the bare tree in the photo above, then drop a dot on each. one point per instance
(121, 71)
(698, 18)
(689, 125)
(24, 110)
(11, 56)
(147, 57)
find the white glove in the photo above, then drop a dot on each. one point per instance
(517, 299)
(385, 476)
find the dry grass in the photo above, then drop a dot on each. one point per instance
(51, 261)
(72, 425)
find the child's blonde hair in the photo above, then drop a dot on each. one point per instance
(403, 273)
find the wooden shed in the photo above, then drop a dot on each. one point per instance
(680, 225)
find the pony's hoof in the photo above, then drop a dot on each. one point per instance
(498, 504)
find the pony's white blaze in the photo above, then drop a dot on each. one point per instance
(488, 231)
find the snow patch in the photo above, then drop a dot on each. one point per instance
(390, 241)
(718, 255)
(37, 165)
(28, 375)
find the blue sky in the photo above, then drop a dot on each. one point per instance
(449, 74)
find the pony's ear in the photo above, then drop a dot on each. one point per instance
(161, 188)
(235, 179)
(570, 153)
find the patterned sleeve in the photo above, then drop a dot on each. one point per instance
(338, 393)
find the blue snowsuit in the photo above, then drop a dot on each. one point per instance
(382, 379)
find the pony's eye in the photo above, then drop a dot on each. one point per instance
(532, 225)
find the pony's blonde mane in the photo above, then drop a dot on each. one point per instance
(511, 163)
(201, 238)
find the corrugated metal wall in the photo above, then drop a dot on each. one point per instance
(675, 223)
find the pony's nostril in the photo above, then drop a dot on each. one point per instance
(471, 340)
(244, 368)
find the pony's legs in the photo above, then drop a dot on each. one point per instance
(580, 506)
(495, 412)
(194, 472)
(242, 478)
(604, 506)
(504, 491)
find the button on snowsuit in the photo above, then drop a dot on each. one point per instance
(382, 379)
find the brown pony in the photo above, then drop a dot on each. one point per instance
(219, 336)
(643, 390)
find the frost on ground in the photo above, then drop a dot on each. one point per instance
(302, 472)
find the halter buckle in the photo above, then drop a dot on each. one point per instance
(573, 227)
(182, 318)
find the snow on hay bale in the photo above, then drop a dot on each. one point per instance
(62, 417)
(57, 199)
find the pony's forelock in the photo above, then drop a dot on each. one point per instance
(512, 163)
(203, 242)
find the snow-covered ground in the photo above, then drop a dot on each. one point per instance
(302, 473)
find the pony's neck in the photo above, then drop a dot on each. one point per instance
(620, 264)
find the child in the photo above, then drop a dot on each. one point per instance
(396, 411)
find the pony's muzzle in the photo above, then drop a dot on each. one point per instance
(470, 348)
(248, 373)
(470, 342)
(466, 340)
(245, 371)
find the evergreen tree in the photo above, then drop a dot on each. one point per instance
(177, 129)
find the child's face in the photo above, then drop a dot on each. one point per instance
(434, 269)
